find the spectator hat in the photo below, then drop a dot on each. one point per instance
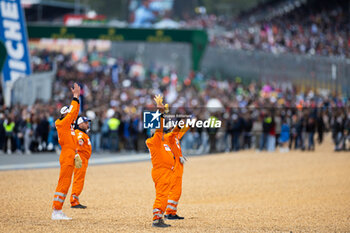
(82, 120)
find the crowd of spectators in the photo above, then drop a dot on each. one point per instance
(116, 91)
(255, 115)
(312, 28)
(309, 27)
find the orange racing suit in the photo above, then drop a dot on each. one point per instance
(68, 142)
(84, 150)
(163, 164)
(176, 181)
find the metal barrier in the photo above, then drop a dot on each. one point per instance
(313, 72)
(37, 86)
(305, 71)
(175, 56)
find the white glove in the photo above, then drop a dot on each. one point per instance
(77, 161)
(183, 159)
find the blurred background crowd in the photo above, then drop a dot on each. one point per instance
(256, 113)
(298, 27)
(314, 28)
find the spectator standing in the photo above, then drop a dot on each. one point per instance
(300, 127)
(320, 125)
(2, 131)
(310, 130)
(212, 136)
(28, 135)
(271, 138)
(347, 133)
(267, 123)
(257, 131)
(10, 142)
(96, 125)
(134, 132)
(52, 139)
(20, 132)
(105, 140)
(113, 125)
(236, 130)
(293, 133)
(278, 123)
(338, 130)
(248, 125)
(42, 132)
(284, 136)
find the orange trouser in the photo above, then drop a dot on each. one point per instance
(78, 181)
(174, 194)
(66, 172)
(161, 178)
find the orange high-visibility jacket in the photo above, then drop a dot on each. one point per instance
(172, 139)
(65, 131)
(84, 144)
(161, 154)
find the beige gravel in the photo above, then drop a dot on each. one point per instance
(241, 192)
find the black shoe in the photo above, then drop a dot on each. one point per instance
(173, 217)
(159, 223)
(80, 206)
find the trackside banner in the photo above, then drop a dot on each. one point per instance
(13, 33)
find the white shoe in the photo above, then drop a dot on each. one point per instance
(50, 147)
(284, 150)
(59, 215)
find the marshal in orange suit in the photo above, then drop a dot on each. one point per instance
(68, 157)
(84, 150)
(163, 163)
(176, 181)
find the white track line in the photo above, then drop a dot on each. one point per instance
(92, 161)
